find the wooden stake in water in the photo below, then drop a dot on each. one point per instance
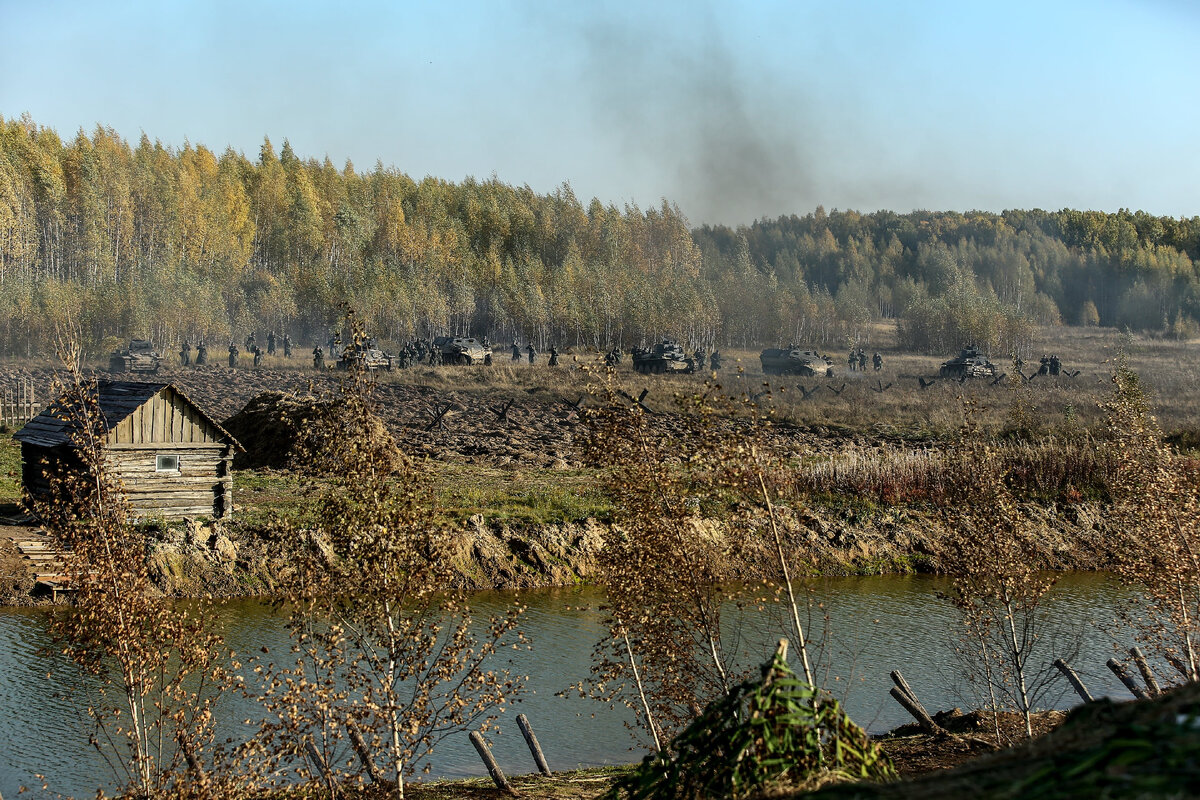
(1119, 670)
(492, 767)
(1147, 673)
(1073, 679)
(534, 747)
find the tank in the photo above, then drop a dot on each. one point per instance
(464, 350)
(140, 356)
(790, 361)
(371, 359)
(664, 356)
(969, 363)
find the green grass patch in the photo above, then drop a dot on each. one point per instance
(10, 469)
(459, 491)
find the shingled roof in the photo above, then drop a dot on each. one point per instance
(118, 399)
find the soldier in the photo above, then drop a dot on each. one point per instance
(877, 360)
(852, 361)
(714, 361)
(610, 358)
(698, 357)
(335, 348)
(201, 354)
(435, 357)
(1044, 369)
(516, 351)
(185, 354)
(532, 353)
(553, 357)
(250, 341)
(318, 358)
(1055, 364)
(271, 343)
(233, 355)
(258, 354)
(287, 346)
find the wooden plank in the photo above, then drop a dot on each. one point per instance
(154, 407)
(198, 447)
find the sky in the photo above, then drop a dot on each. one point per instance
(733, 111)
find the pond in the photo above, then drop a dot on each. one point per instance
(867, 627)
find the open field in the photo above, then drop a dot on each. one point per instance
(858, 443)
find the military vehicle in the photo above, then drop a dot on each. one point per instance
(790, 361)
(664, 356)
(140, 356)
(366, 357)
(969, 363)
(465, 350)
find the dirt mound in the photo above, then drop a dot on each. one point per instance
(287, 431)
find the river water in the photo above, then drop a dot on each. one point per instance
(874, 625)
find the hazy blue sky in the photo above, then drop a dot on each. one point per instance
(732, 110)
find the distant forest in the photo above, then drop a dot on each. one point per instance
(120, 240)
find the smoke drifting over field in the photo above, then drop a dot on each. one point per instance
(726, 145)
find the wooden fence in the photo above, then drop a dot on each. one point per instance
(18, 403)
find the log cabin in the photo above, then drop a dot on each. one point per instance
(171, 458)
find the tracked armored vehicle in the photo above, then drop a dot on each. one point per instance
(365, 357)
(969, 363)
(464, 350)
(664, 356)
(140, 356)
(790, 361)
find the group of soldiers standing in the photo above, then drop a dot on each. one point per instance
(857, 361)
(531, 353)
(1050, 365)
(250, 343)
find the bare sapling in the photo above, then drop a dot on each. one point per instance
(1001, 594)
(148, 669)
(1156, 496)
(387, 656)
(665, 656)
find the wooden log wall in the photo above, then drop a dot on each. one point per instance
(203, 486)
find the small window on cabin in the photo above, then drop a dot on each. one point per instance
(166, 464)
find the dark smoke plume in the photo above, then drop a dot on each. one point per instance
(728, 146)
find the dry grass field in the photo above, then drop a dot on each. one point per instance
(856, 436)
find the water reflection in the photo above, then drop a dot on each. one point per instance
(864, 628)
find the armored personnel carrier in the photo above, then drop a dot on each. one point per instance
(140, 356)
(664, 356)
(969, 363)
(365, 357)
(790, 361)
(465, 350)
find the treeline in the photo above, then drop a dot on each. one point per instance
(950, 277)
(118, 240)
